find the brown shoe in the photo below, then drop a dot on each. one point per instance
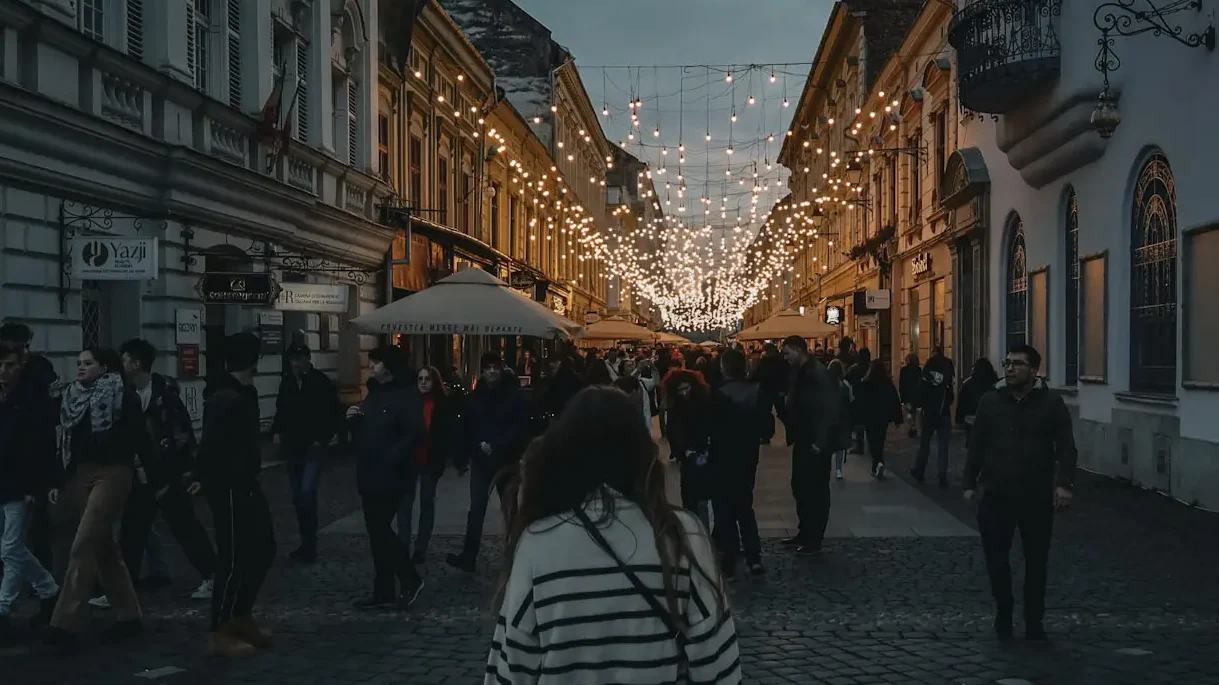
(245, 629)
(223, 644)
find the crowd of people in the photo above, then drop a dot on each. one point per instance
(569, 451)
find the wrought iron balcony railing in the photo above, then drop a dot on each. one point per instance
(1006, 50)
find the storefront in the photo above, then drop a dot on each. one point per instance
(923, 298)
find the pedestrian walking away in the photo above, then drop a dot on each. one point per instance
(168, 483)
(854, 376)
(689, 435)
(908, 385)
(493, 431)
(306, 419)
(388, 429)
(935, 396)
(230, 460)
(846, 436)
(1020, 469)
(27, 434)
(435, 450)
(880, 405)
(814, 418)
(981, 381)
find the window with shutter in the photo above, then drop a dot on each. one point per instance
(234, 48)
(302, 97)
(135, 29)
(91, 19)
(353, 114)
(197, 54)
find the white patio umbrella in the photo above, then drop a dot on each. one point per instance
(616, 328)
(470, 302)
(671, 338)
(785, 323)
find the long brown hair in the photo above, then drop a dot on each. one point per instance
(437, 380)
(596, 447)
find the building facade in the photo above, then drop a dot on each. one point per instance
(636, 209)
(1099, 227)
(221, 150)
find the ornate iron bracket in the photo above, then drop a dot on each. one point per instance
(1123, 19)
(76, 218)
(289, 261)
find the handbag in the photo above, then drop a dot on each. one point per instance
(661, 612)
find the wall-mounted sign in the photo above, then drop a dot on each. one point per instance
(271, 332)
(921, 264)
(833, 315)
(522, 280)
(188, 327)
(102, 258)
(188, 362)
(312, 297)
(591, 318)
(192, 397)
(237, 288)
(876, 300)
(559, 307)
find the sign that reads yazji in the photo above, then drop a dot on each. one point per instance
(105, 258)
(237, 288)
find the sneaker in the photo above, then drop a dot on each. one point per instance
(880, 471)
(808, 550)
(375, 602)
(303, 555)
(101, 602)
(838, 474)
(460, 562)
(46, 609)
(757, 570)
(223, 644)
(793, 541)
(245, 629)
(410, 593)
(205, 589)
(123, 630)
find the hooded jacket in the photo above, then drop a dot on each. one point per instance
(741, 412)
(935, 391)
(307, 411)
(387, 432)
(230, 451)
(1021, 447)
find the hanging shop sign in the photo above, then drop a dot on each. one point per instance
(522, 280)
(591, 318)
(833, 315)
(877, 300)
(188, 362)
(271, 332)
(920, 265)
(312, 297)
(188, 327)
(99, 258)
(237, 288)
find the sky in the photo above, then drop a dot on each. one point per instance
(629, 49)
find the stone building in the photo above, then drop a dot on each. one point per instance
(631, 195)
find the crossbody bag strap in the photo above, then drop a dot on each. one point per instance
(642, 589)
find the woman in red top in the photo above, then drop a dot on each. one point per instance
(440, 419)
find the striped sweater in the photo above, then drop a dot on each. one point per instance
(572, 617)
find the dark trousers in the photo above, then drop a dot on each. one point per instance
(941, 428)
(876, 442)
(425, 480)
(38, 537)
(482, 480)
(179, 511)
(736, 525)
(390, 560)
(858, 432)
(811, 489)
(245, 548)
(304, 472)
(999, 516)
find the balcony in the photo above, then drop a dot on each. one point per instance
(1007, 50)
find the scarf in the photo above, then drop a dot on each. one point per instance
(102, 401)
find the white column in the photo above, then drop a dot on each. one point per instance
(168, 25)
(321, 89)
(370, 74)
(257, 60)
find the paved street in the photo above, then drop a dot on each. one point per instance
(899, 597)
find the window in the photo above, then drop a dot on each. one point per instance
(353, 121)
(514, 248)
(135, 29)
(467, 186)
(1093, 320)
(91, 19)
(197, 53)
(1153, 282)
(1072, 289)
(416, 151)
(95, 314)
(442, 182)
(892, 191)
(1016, 330)
(496, 239)
(941, 146)
(1201, 326)
(878, 192)
(233, 43)
(916, 191)
(939, 304)
(383, 148)
(531, 238)
(302, 90)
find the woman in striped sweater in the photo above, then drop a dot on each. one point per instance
(606, 582)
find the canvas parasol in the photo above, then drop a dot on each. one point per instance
(671, 339)
(785, 323)
(616, 328)
(470, 302)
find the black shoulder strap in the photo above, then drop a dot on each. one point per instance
(642, 589)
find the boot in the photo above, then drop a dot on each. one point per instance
(224, 644)
(46, 608)
(246, 630)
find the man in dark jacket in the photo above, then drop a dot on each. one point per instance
(812, 417)
(772, 376)
(306, 418)
(742, 415)
(169, 481)
(935, 398)
(27, 434)
(854, 378)
(494, 428)
(388, 427)
(230, 459)
(1022, 455)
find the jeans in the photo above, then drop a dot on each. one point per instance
(734, 508)
(810, 483)
(98, 493)
(427, 511)
(390, 560)
(179, 511)
(482, 479)
(304, 472)
(941, 427)
(999, 516)
(20, 565)
(245, 548)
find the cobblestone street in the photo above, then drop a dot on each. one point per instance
(899, 597)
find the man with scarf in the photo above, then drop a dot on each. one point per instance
(230, 459)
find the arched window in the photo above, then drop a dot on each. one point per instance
(1071, 235)
(1153, 282)
(1017, 311)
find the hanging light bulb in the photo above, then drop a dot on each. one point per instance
(605, 112)
(728, 78)
(751, 100)
(772, 77)
(656, 133)
(786, 103)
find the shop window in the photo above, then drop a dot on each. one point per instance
(442, 183)
(1201, 323)
(1153, 282)
(1071, 296)
(383, 149)
(1094, 319)
(939, 296)
(1039, 316)
(416, 170)
(1017, 286)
